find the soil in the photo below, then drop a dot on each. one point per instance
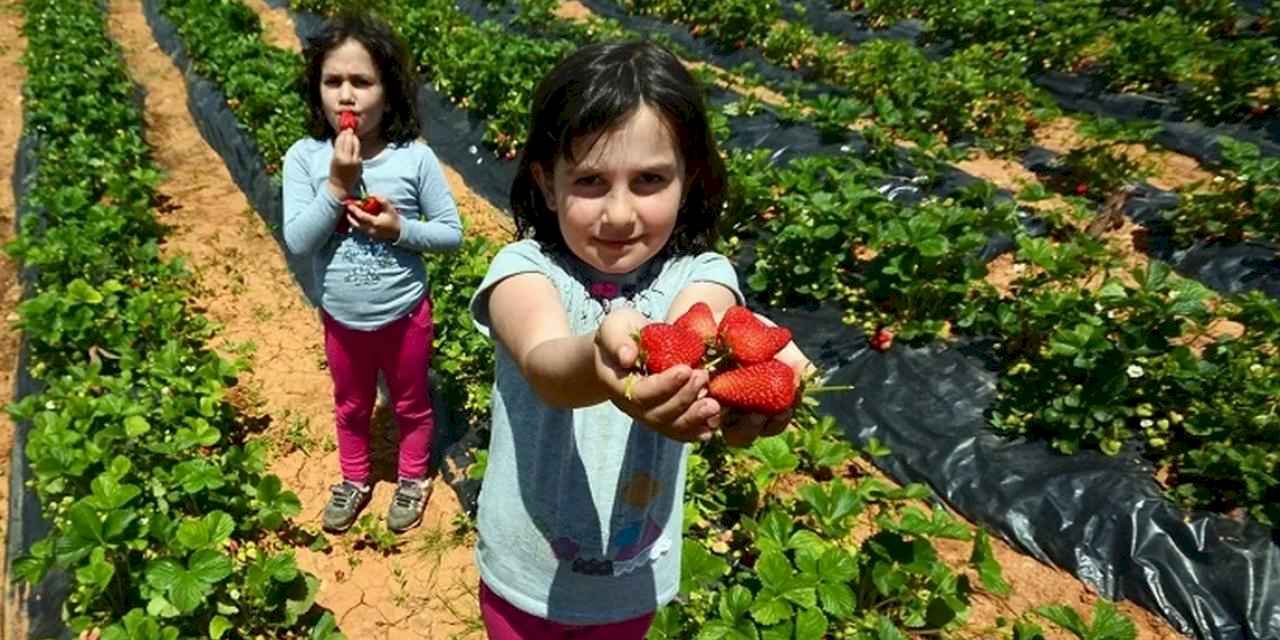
(1171, 170)
(12, 76)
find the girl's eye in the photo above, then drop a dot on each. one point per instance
(587, 181)
(653, 178)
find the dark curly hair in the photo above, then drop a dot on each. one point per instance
(593, 90)
(391, 57)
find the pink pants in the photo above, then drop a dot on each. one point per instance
(402, 352)
(503, 621)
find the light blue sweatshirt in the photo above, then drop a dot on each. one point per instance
(362, 282)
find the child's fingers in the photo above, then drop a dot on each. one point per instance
(652, 391)
(743, 431)
(776, 424)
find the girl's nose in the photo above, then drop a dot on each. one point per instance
(346, 93)
(619, 210)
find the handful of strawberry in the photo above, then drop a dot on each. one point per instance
(752, 381)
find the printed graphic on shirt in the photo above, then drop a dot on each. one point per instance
(368, 259)
(636, 540)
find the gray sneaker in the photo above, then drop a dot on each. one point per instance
(407, 505)
(344, 505)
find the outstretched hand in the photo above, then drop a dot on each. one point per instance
(673, 403)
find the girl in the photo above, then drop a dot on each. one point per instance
(617, 195)
(370, 276)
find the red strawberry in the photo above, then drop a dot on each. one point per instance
(663, 346)
(1082, 189)
(747, 339)
(699, 320)
(881, 340)
(767, 388)
(371, 205)
(347, 120)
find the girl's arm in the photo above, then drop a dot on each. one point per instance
(309, 217)
(569, 371)
(440, 228)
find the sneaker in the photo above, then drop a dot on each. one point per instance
(344, 505)
(407, 505)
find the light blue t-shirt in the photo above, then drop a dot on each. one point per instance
(580, 510)
(365, 283)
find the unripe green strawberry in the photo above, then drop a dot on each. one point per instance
(699, 320)
(747, 339)
(663, 346)
(767, 388)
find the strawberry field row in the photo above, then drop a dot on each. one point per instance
(1219, 60)
(162, 514)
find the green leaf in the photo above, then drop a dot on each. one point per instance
(1109, 624)
(219, 626)
(1064, 617)
(206, 532)
(984, 560)
(81, 291)
(774, 570)
(97, 574)
(135, 426)
(775, 454)
(735, 603)
(770, 610)
(933, 247)
(109, 494)
(811, 625)
(701, 569)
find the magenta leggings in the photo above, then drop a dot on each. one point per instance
(503, 621)
(402, 351)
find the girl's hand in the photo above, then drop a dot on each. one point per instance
(671, 403)
(344, 168)
(740, 429)
(384, 225)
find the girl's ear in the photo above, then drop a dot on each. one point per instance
(545, 184)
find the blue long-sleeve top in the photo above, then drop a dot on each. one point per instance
(365, 283)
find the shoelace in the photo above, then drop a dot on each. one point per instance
(343, 495)
(407, 495)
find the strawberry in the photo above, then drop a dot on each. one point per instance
(1082, 189)
(699, 320)
(747, 339)
(368, 204)
(663, 346)
(371, 205)
(767, 388)
(347, 120)
(881, 340)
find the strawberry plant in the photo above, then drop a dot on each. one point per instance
(263, 84)
(161, 513)
(1243, 202)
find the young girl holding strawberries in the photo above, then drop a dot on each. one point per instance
(617, 195)
(365, 198)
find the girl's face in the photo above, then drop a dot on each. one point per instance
(350, 81)
(618, 204)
